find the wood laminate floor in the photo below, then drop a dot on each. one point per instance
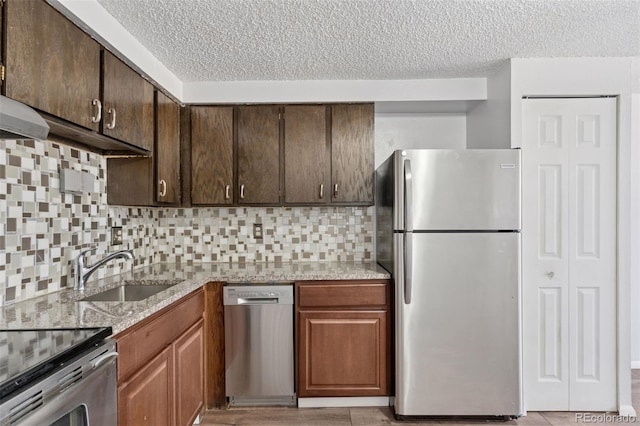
(384, 416)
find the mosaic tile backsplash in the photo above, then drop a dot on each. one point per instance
(42, 230)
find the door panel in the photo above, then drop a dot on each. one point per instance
(569, 248)
(258, 154)
(128, 104)
(342, 353)
(51, 64)
(211, 155)
(464, 189)
(168, 150)
(352, 136)
(459, 336)
(306, 154)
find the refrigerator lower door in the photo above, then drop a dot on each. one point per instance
(458, 342)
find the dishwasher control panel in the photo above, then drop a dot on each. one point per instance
(260, 294)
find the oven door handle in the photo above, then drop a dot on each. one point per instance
(103, 359)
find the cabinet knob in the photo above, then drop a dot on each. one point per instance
(322, 190)
(163, 188)
(112, 125)
(96, 118)
(227, 194)
(242, 191)
(550, 274)
(335, 190)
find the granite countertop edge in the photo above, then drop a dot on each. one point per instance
(64, 309)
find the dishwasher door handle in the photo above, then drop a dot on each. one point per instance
(258, 301)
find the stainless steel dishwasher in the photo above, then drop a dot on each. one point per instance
(258, 327)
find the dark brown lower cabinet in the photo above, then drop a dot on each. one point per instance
(343, 342)
(161, 366)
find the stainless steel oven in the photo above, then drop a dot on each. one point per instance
(79, 390)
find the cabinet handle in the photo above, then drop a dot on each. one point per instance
(112, 125)
(163, 186)
(96, 118)
(242, 191)
(322, 190)
(227, 195)
(335, 191)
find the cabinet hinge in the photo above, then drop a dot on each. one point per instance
(2, 71)
(280, 115)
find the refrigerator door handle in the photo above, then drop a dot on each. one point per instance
(408, 197)
(408, 228)
(408, 266)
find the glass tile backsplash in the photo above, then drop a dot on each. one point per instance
(42, 230)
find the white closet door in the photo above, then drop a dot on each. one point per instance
(569, 254)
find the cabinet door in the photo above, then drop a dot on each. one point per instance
(127, 104)
(167, 150)
(147, 399)
(130, 181)
(306, 154)
(51, 64)
(352, 165)
(258, 130)
(211, 155)
(189, 374)
(342, 353)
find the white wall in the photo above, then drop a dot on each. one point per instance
(489, 124)
(415, 130)
(593, 77)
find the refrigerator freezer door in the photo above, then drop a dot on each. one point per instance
(457, 342)
(459, 189)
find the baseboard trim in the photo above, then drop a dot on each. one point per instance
(350, 401)
(627, 411)
(635, 365)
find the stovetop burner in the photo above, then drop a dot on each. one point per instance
(26, 355)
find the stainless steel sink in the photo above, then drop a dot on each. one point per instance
(126, 293)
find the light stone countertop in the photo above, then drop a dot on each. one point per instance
(63, 309)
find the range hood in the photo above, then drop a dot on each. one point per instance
(18, 121)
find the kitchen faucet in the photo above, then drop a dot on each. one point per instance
(83, 270)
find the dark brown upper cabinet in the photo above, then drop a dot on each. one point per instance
(128, 104)
(51, 64)
(306, 155)
(153, 180)
(352, 151)
(167, 152)
(211, 155)
(258, 154)
(55, 67)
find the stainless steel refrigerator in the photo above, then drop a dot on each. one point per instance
(448, 230)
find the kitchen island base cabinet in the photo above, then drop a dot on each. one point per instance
(343, 343)
(161, 366)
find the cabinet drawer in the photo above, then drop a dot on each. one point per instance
(343, 294)
(142, 342)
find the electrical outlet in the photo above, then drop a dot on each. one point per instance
(257, 231)
(116, 235)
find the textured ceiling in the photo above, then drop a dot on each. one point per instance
(221, 40)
